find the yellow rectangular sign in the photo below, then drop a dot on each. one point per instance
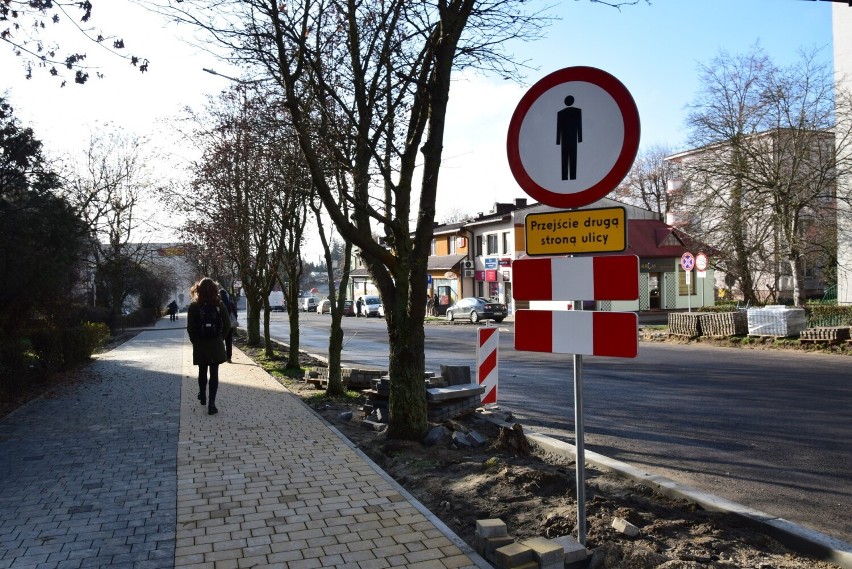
(601, 230)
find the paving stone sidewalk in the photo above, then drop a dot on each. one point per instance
(87, 474)
(126, 469)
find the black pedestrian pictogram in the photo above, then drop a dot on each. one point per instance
(569, 132)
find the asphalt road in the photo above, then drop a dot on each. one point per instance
(769, 429)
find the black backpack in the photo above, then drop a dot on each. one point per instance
(209, 321)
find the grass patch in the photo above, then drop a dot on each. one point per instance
(322, 397)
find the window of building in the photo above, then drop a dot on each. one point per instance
(479, 245)
(492, 244)
(480, 289)
(452, 245)
(506, 235)
(433, 247)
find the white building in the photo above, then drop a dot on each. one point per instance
(842, 30)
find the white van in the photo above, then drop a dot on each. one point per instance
(308, 304)
(370, 306)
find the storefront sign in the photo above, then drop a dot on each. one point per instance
(490, 276)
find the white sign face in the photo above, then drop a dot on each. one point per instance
(573, 137)
(701, 262)
(598, 145)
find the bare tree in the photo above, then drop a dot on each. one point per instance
(646, 185)
(242, 205)
(336, 289)
(764, 180)
(107, 190)
(29, 28)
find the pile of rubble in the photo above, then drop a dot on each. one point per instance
(448, 396)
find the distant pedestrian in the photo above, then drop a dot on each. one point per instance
(173, 308)
(430, 305)
(358, 304)
(207, 323)
(232, 316)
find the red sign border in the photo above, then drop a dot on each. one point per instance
(629, 147)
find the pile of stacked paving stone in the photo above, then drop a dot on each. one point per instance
(685, 324)
(352, 378)
(448, 396)
(724, 323)
(492, 541)
(694, 324)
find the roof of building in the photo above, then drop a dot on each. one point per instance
(651, 238)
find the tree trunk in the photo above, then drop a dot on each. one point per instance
(253, 323)
(335, 347)
(406, 368)
(794, 260)
(267, 341)
(293, 354)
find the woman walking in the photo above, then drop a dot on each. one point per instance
(207, 323)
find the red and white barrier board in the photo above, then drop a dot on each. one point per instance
(611, 334)
(614, 277)
(486, 362)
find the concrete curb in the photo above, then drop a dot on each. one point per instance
(791, 535)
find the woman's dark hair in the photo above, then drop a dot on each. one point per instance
(205, 291)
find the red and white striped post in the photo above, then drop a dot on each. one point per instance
(486, 362)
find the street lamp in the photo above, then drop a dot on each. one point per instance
(234, 79)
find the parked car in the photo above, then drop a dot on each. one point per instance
(477, 309)
(324, 306)
(348, 308)
(308, 304)
(370, 305)
(277, 308)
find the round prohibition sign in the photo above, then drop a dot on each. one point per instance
(687, 262)
(701, 262)
(573, 137)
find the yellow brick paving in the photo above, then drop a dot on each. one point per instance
(266, 483)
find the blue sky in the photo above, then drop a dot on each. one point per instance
(653, 49)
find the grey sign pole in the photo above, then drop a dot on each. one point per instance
(580, 450)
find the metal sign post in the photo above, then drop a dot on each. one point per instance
(687, 263)
(580, 458)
